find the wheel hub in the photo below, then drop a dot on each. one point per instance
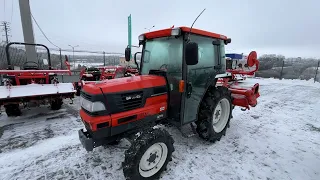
(217, 113)
(221, 115)
(153, 157)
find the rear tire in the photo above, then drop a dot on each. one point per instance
(12, 110)
(77, 88)
(78, 91)
(215, 114)
(148, 155)
(56, 104)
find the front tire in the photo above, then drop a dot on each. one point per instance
(148, 155)
(12, 110)
(56, 104)
(215, 114)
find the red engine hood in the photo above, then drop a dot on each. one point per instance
(125, 84)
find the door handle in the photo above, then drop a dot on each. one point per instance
(189, 89)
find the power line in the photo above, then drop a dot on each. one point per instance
(43, 32)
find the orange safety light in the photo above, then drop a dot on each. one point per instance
(181, 86)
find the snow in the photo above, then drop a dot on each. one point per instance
(35, 89)
(278, 139)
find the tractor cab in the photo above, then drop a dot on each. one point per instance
(190, 60)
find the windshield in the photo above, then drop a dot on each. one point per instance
(162, 53)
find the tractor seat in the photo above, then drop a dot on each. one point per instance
(30, 66)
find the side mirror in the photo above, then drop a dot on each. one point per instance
(136, 61)
(127, 54)
(252, 58)
(191, 53)
(227, 41)
(45, 62)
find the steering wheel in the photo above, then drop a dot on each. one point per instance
(26, 66)
(164, 67)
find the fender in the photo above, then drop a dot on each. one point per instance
(211, 82)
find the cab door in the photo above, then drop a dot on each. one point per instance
(198, 77)
(165, 54)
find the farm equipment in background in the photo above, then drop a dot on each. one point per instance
(131, 71)
(30, 83)
(95, 74)
(243, 95)
(177, 84)
(239, 67)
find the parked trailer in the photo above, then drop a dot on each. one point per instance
(31, 84)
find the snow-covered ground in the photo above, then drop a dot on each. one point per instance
(278, 139)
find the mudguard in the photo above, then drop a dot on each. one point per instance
(32, 90)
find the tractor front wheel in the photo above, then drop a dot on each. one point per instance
(215, 114)
(148, 155)
(12, 110)
(56, 104)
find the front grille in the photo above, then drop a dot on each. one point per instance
(129, 101)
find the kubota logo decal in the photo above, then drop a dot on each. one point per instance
(133, 97)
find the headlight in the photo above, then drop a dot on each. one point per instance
(98, 106)
(91, 106)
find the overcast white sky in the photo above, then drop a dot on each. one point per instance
(288, 27)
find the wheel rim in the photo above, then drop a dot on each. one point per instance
(153, 159)
(221, 115)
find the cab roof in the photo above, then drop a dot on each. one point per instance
(167, 32)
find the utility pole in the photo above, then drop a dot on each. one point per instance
(315, 76)
(6, 28)
(25, 15)
(74, 61)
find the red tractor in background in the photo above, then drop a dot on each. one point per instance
(93, 74)
(178, 83)
(29, 83)
(132, 71)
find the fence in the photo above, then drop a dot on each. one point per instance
(77, 58)
(298, 69)
(304, 70)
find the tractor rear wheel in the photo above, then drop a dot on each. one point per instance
(12, 110)
(148, 155)
(77, 88)
(215, 114)
(56, 104)
(78, 91)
